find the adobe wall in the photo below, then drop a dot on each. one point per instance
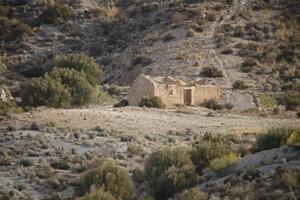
(141, 87)
(205, 92)
(169, 94)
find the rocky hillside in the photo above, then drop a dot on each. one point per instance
(254, 41)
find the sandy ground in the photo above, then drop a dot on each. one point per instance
(149, 121)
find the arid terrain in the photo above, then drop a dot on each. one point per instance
(67, 130)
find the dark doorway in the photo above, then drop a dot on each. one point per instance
(188, 97)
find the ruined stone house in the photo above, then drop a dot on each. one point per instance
(172, 91)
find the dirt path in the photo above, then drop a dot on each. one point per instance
(153, 121)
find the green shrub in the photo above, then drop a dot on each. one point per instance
(79, 62)
(45, 92)
(57, 13)
(76, 83)
(152, 102)
(211, 104)
(169, 171)
(222, 164)
(293, 138)
(211, 72)
(275, 138)
(134, 149)
(267, 101)
(109, 177)
(239, 85)
(7, 107)
(191, 194)
(210, 148)
(98, 194)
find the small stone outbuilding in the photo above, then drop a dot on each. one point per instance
(172, 91)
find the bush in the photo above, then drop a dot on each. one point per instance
(210, 148)
(76, 83)
(45, 92)
(122, 103)
(113, 90)
(275, 138)
(141, 59)
(298, 114)
(211, 104)
(79, 62)
(7, 107)
(211, 72)
(191, 194)
(11, 30)
(239, 85)
(152, 102)
(248, 65)
(169, 171)
(57, 13)
(221, 165)
(111, 178)
(291, 100)
(98, 194)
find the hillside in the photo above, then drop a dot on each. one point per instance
(67, 127)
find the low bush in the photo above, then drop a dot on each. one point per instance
(45, 92)
(98, 194)
(248, 65)
(79, 62)
(113, 90)
(239, 85)
(275, 138)
(168, 171)
(211, 104)
(111, 178)
(11, 30)
(291, 100)
(211, 72)
(57, 13)
(298, 114)
(211, 147)
(122, 103)
(152, 102)
(141, 59)
(221, 165)
(191, 194)
(7, 107)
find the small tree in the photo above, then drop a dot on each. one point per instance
(80, 89)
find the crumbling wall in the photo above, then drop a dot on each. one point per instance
(141, 87)
(205, 92)
(170, 94)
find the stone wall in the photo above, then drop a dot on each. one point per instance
(205, 92)
(170, 94)
(141, 87)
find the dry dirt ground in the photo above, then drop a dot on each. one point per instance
(44, 152)
(152, 121)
